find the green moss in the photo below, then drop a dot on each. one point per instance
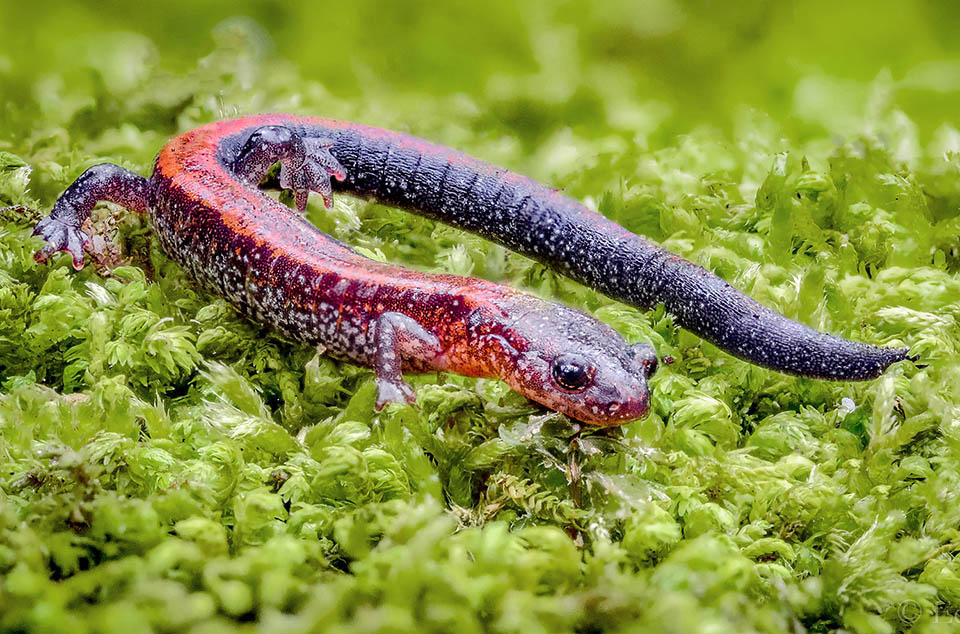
(168, 465)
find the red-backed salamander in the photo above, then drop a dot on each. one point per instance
(210, 217)
(277, 268)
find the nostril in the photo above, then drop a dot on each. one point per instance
(644, 355)
(649, 367)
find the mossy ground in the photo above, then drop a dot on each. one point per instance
(168, 466)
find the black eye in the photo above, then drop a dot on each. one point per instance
(572, 372)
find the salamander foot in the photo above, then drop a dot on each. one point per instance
(306, 163)
(312, 174)
(389, 391)
(60, 236)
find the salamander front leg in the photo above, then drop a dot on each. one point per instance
(61, 229)
(306, 164)
(398, 337)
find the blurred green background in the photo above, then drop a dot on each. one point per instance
(702, 59)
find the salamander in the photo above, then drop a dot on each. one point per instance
(210, 216)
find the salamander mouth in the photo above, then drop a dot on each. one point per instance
(616, 414)
(612, 414)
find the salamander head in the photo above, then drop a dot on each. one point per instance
(570, 362)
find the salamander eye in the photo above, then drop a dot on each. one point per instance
(572, 373)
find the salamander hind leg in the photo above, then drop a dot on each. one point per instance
(399, 337)
(62, 228)
(306, 163)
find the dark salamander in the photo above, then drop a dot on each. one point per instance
(210, 216)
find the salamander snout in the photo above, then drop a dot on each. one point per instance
(613, 389)
(582, 368)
